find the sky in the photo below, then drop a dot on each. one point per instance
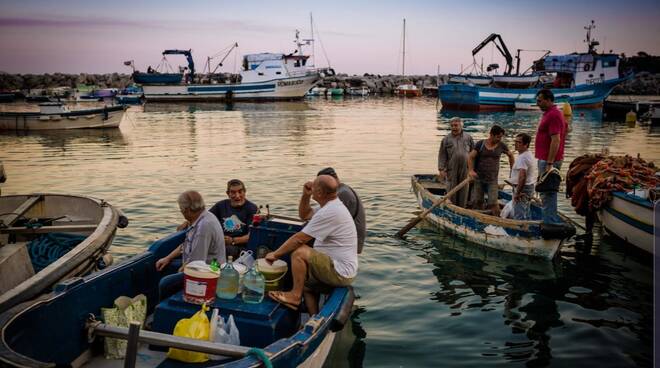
(353, 37)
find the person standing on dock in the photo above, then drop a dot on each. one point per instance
(347, 196)
(452, 160)
(484, 167)
(549, 148)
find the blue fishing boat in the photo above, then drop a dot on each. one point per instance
(532, 238)
(581, 79)
(63, 328)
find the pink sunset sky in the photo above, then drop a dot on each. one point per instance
(357, 36)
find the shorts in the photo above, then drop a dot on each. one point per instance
(321, 273)
(481, 188)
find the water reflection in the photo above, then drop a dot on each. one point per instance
(61, 139)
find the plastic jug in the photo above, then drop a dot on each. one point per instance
(254, 286)
(228, 282)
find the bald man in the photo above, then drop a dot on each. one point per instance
(452, 160)
(332, 262)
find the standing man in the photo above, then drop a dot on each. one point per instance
(235, 215)
(333, 261)
(549, 148)
(452, 160)
(522, 176)
(347, 196)
(484, 167)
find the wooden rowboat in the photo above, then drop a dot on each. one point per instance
(532, 238)
(56, 116)
(29, 221)
(55, 329)
(630, 218)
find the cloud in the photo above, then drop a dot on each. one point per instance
(31, 22)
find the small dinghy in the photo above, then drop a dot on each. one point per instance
(532, 238)
(46, 238)
(63, 328)
(56, 116)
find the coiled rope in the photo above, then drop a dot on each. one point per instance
(48, 248)
(261, 355)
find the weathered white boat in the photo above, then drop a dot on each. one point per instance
(474, 80)
(629, 217)
(264, 76)
(56, 116)
(58, 236)
(532, 238)
(317, 91)
(357, 91)
(515, 81)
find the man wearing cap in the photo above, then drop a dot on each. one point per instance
(347, 196)
(235, 215)
(333, 261)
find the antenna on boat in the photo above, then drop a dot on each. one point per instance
(311, 39)
(591, 43)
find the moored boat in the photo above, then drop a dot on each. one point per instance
(532, 238)
(317, 91)
(357, 91)
(585, 79)
(268, 330)
(37, 228)
(55, 115)
(629, 217)
(407, 90)
(477, 80)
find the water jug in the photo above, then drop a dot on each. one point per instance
(228, 282)
(253, 286)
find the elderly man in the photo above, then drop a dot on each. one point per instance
(347, 196)
(235, 215)
(484, 166)
(332, 262)
(549, 148)
(452, 160)
(204, 238)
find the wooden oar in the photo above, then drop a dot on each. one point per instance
(421, 216)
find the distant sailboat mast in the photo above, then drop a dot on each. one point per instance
(403, 63)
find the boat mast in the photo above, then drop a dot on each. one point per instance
(311, 27)
(403, 64)
(591, 43)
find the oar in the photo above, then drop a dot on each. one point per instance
(421, 216)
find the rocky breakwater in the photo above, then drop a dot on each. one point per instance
(379, 84)
(26, 82)
(643, 83)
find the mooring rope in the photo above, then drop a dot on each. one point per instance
(48, 248)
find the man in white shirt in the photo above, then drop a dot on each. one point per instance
(523, 176)
(332, 262)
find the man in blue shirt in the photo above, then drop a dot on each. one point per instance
(235, 215)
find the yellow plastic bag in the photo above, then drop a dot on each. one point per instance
(195, 327)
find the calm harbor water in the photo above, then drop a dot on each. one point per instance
(429, 300)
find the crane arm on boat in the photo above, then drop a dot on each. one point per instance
(188, 55)
(494, 37)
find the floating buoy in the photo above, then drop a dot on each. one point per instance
(631, 117)
(567, 110)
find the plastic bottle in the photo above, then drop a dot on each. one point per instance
(253, 286)
(214, 265)
(228, 282)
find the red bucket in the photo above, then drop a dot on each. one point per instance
(199, 285)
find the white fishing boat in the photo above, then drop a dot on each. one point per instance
(263, 76)
(357, 91)
(630, 217)
(55, 115)
(317, 91)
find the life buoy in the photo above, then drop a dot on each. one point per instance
(587, 67)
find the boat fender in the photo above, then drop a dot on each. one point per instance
(587, 67)
(340, 318)
(557, 231)
(123, 220)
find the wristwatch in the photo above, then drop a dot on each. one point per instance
(233, 241)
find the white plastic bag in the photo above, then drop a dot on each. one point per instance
(507, 210)
(246, 258)
(232, 331)
(224, 332)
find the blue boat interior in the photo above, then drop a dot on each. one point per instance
(37, 332)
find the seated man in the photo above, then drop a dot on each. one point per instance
(484, 167)
(522, 176)
(204, 241)
(332, 262)
(235, 216)
(348, 197)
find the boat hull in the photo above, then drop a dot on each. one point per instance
(521, 237)
(629, 218)
(467, 97)
(279, 89)
(109, 117)
(102, 218)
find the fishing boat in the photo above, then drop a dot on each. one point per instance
(264, 76)
(55, 115)
(317, 91)
(630, 217)
(62, 328)
(357, 91)
(335, 91)
(46, 238)
(470, 79)
(532, 238)
(585, 79)
(406, 89)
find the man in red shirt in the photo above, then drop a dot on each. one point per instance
(549, 148)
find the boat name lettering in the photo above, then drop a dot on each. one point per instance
(594, 81)
(290, 83)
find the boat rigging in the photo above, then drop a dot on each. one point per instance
(501, 47)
